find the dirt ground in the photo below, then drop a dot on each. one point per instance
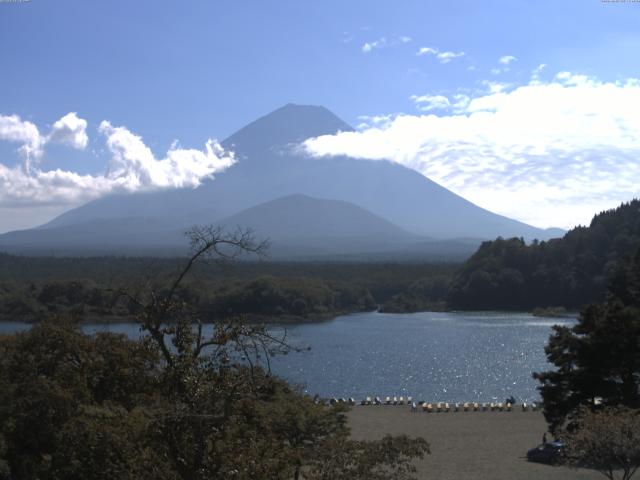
(467, 445)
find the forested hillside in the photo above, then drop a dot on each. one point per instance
(33, 288)
(570, 271)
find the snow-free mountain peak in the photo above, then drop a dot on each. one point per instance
(288, 125)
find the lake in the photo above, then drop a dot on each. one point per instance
(435, 356)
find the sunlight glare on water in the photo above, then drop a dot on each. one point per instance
(453, 356)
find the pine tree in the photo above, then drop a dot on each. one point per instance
(597, 360)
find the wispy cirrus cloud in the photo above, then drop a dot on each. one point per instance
(132, 166)
(549, 153)
(442, 56)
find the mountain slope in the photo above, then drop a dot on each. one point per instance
(299, 225)
(115, 236)
(301, 216)
(271, 165)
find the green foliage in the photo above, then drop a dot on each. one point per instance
(49, 373)
(390, 458)
(572, 271)
(607, 441)
(104, 407)
(83, 288)
(107, 442)
(303, 297)
(4, 464)
(423, 294)
(598, 360)
(177, 404)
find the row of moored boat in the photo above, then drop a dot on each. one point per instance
(438, 407)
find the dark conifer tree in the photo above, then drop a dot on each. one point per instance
(597, 360)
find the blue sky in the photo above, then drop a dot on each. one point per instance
(191, 71)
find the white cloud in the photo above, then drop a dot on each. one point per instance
(494, 87)
(367, 121)
(71, 131)
(446, 57)
(443, 57)
(367, 47)
(132, 167)
(427, 103)
(551, 154)
(535, 74)
(506, 59)
(14, 129)
(382, 42)
(427, 51)
(461, 101)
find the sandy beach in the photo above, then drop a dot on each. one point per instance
(467, 445)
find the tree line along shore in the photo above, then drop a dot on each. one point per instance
(504, 274)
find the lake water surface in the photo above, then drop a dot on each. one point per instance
(428, 355)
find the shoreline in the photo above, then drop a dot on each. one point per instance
(296, 319)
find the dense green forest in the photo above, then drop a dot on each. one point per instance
(508, 274)
(598, 357)
(32, 288)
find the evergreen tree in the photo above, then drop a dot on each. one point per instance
(597, 360)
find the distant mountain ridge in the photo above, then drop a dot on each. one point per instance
(271, 166)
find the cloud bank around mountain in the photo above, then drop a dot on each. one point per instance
(550, 153)
(132, 166)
